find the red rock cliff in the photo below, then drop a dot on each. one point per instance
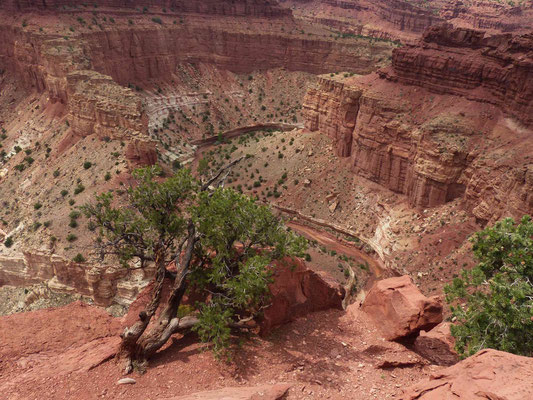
(496, 69)
(438, 127)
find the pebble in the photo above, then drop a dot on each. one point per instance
(126, 381)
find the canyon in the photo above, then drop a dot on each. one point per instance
(425, 142)
(385, 132)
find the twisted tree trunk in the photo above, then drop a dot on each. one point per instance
(138, 344)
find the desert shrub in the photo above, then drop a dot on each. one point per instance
(79, 258)
(8, 242)
(493, 302)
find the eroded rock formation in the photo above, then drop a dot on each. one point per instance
(420, 127)
(437, 345)
(105, 284)
(297, 291)
(465, 62)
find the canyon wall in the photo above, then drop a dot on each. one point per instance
(407, 20)
(489, 15)
(133, 55)
(268, 8)
(103, 283)
(419, 141)
(465, 62)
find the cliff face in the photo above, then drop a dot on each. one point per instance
(268, 8)
(383, 148)
(104, 284)
(489, 15)
(497, 69)
(407, 20)
(450, 139)
(133, 55)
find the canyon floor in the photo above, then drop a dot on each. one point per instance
(385, 132)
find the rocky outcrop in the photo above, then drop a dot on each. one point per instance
(465, 62)
(297, 291)
(98, 105)
(266, 392)
(491, 15)
(399, 309)
(437, 345)
(103, 283)
(489, 374)
(410, 160)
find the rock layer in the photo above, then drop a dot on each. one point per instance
(103, 283)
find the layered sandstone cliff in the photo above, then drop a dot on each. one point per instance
(438, 128)
(218, 7)
(105, 284)
(407, 20)
(466, 62)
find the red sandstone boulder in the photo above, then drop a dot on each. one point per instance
(400, 309)
(297, 291)
(263, 392)
(437, 345)
(489, 374)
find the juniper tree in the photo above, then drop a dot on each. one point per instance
(221, 243)
(493, 302)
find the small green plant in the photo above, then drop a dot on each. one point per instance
(79, 258)
(107, 176)
(157, 20)
(56, 173)
(87, 164)
(37, 205)
(64, 192)
(78, 189)
(71, 237)
(8, 242)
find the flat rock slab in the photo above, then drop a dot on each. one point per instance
(488, 374)
(263, 392)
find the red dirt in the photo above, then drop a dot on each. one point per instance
(331, 354)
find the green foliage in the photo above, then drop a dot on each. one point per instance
(493, 302)
(78, 189)
(237, 239)
(79, 258)
(8, 242)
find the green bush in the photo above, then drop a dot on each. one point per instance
(79, 258)
(71, 237)
(8, 242)
(493, 302)
(87, 164)
(80, 188)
